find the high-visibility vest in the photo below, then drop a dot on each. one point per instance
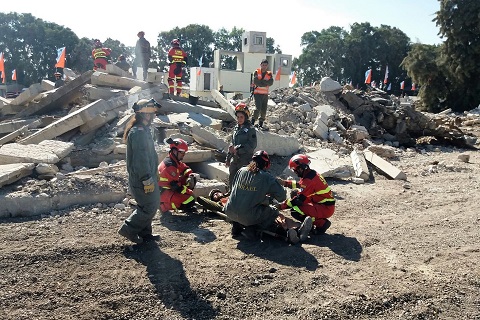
(262, 90)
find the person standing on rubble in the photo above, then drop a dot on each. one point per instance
(262, 80)
(176, 179)
(58, 79)
(143, 53)
(100, 55)
(244, 142)
(177, 58)
(142, 163)
(249, 209)
(313, 199)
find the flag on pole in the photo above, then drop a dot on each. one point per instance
(293, 79)
(60, 58)
(2, 67)
(368, 76)
(279, 73)
(200, 62)
(14, 75)
(385, 80)
(402, 85)
(414, 87)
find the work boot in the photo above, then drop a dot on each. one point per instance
(237, 229)
(123, 231)
(151, 237)
(250, 233)
(305, 228)
(292, 236)
(189, 207)
(322, 229)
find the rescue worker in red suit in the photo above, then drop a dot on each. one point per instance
(313, 199)
(177, 58)
(176, 179)
(100, 55)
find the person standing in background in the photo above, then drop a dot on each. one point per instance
(262, 80)
(177, 58)
(100, 55)
(143, 53)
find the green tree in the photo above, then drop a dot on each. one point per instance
(459, 23)
(229, 41)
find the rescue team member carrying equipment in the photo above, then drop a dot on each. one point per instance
(142, 163)
(176, 179)
(100, 55)
(249, 209)
(262, 80)
(244, 142)
(177, 58)
(314, 199)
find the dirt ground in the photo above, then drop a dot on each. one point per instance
(395, 250)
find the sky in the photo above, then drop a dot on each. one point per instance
(283, 21)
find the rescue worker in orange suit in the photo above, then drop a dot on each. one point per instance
(313, 199)
(177, 59)
(176, 179)
(143, 53)
(262, 80)
(100, 55)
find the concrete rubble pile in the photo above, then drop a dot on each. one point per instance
(62, 139)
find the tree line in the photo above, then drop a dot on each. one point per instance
(445, 74)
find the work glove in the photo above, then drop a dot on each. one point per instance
(148, 185)
(191, 181)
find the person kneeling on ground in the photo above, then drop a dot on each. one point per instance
(249, 209)
(314, 199)
(176, 179)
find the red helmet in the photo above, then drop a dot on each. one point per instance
(262, 159)
(299, 160)
(175, 42)
(178, 144)
(242, 107)
(97, 43)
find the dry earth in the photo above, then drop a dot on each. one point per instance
(396, 250)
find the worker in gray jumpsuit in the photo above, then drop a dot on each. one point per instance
(142, 164)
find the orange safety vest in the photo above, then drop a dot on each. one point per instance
(262, 90)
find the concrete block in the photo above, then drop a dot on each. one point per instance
(115, 70)
(334, 136)
(191, 119)
(209, 137)
(9, 173)
(360, 165)
(212, 170)
(56, 98)
(204, 187)
(192, 156)
(224, 103)
(171, 106)
(329, 164)
(94, 93)
(28, 94)
(276, 144)
(68, 122)
(9, 137)
(107, 80)
(47, 85)
(11, 126)
(48, 153)
(157, 77)
(385, 166)
(320, 128)
(99, 121)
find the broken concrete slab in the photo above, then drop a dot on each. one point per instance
(9, 173)
(169, 106)
(9, 137)
(50, 152)
(115, 70)
(329, 164)
(47, 85)
(208, 137)
(11, 126)
(28, 95)
(320, 127)
(94, 93)
(327, 84)
(360, 165)
(192, 156)
(276, 144)
(107, 80)
(203, 187)
(68, 122)
(191, 119)
(56, 98)
(212, 170)
(224, 103)
(385, 166)
(27, 205)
